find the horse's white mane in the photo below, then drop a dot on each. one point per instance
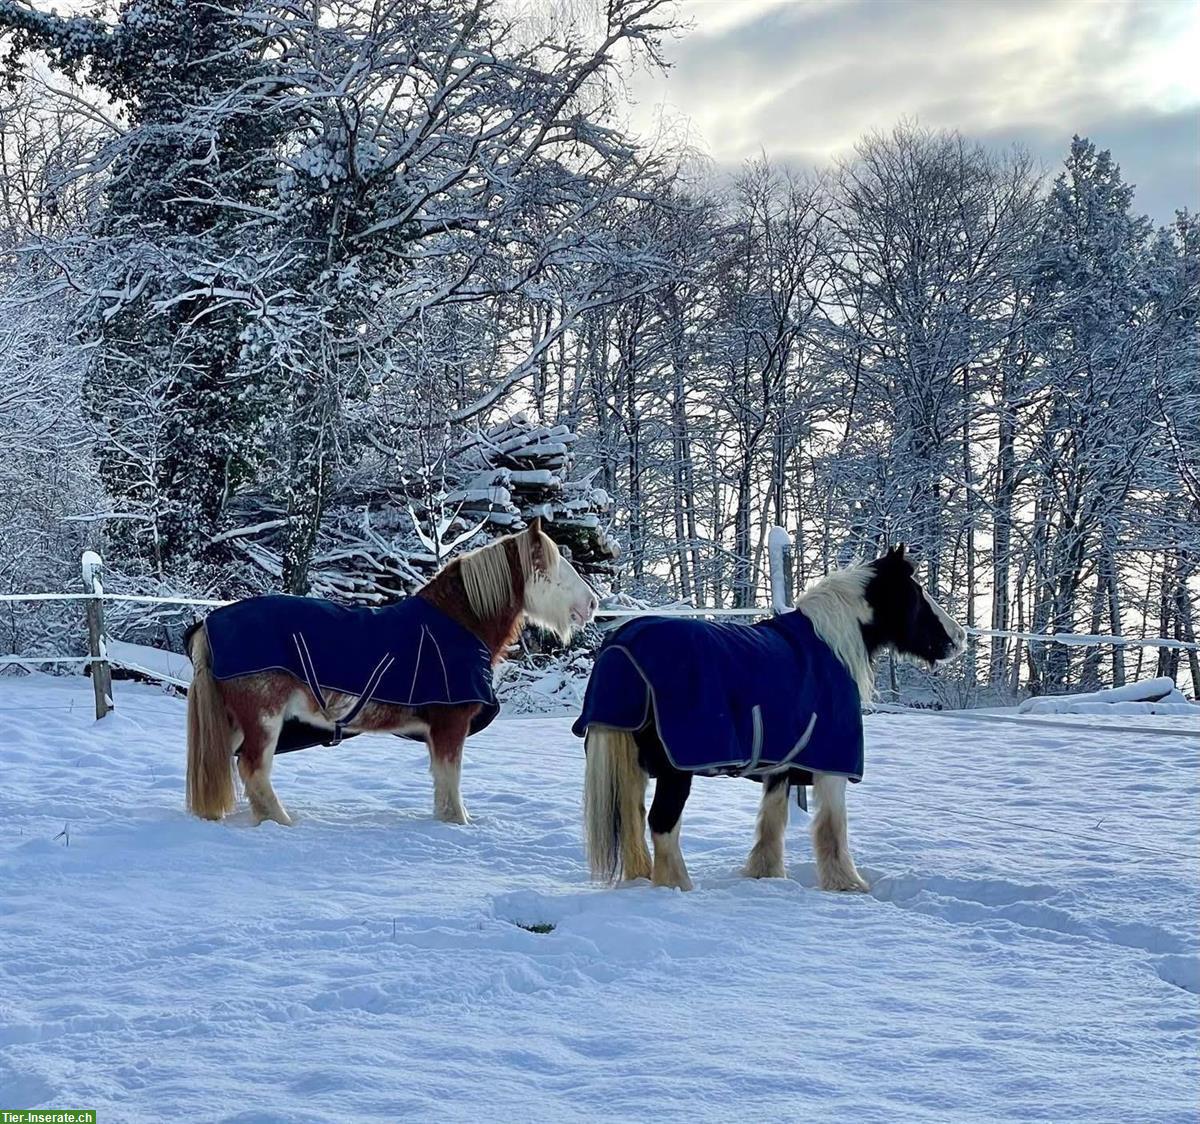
(837, 607)
(486, 576)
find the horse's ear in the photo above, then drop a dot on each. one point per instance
(536, 549)
(897, 559)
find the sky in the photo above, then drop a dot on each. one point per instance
(803, 79)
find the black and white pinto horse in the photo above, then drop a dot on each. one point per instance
(855, 613)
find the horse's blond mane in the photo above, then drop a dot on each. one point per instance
(838, 607)
(487, 577)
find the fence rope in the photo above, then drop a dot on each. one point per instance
(1068, 638)
(1030, 720)
(17, 661)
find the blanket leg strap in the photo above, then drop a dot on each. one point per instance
(372, 686)
(340, 725)
(784, 765)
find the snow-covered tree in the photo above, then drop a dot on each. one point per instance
(518, 470)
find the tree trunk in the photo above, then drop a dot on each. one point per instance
(1089, 678)
(1188, 632)
(1114, 614)
(1002, 546)
(743, 592)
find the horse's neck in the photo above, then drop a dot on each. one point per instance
(838, 611)
(446, 591)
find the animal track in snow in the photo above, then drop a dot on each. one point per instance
(971, 901)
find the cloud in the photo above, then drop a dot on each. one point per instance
(804, 80)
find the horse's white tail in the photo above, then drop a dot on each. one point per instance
(210, 793)
(614, 806)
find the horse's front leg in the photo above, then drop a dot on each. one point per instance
(831, 840)
(671, 791)
(766, 856)
(448, 729)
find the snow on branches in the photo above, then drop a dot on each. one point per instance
(518, 470)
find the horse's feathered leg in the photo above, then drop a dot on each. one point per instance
(671, 791)
(831, 840)
(448, 729)
(766, 857)
(260, 732)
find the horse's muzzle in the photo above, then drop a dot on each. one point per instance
(584, 610)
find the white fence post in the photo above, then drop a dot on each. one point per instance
(779, 561)
(92, 566)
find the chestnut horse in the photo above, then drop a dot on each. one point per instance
(490, 592)
(855, 614)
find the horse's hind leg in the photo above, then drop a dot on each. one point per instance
(259, 735)
(671, 791)
(831, 841)
(766, 857)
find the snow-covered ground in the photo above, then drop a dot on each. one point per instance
(1029, 950)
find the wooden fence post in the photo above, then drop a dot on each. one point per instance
(92, 566)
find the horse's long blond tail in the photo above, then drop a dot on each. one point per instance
(614, 806)
(210, 793)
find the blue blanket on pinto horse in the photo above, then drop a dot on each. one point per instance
(730, 698)
(407, 654)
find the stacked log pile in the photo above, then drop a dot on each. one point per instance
(519, 470)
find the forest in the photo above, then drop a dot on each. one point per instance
(305, 297)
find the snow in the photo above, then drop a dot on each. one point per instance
(171, 667)
(1029, 949)
(1150, 696)
(1066, 704)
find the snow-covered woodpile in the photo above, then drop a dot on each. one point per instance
(518, 470)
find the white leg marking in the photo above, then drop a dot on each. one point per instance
(264, 804)
(766, 857)
(831, 842)
(669, 867)
(447, 799)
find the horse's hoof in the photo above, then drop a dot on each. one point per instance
(845, 885)
(760, 872)
(685, 884)
(637, 871)
(760, 868)
(458, 817)
(281, 817)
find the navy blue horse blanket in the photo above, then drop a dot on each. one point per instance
(730, 698)
(407, 654)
